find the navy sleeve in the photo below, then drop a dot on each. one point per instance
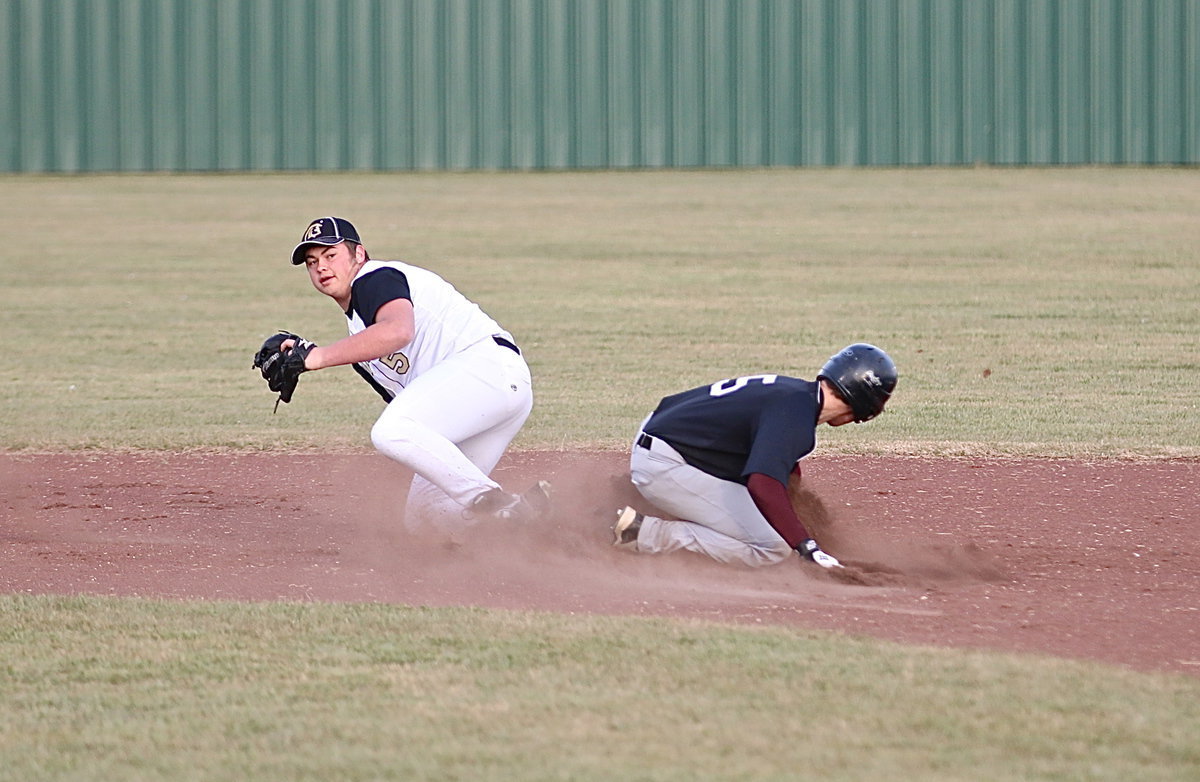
(783, 436)
(371, 291)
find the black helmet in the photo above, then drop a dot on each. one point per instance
(864, 377)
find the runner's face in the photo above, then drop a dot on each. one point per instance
(834, 410)
(842, 419)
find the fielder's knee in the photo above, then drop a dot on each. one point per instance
(392, 437)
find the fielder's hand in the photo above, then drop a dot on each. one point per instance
(810, 551)
(281, 367)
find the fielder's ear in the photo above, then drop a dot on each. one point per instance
(360, 254)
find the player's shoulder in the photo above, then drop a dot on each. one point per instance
(378, 282)
(795, 382)
(767, 383)
(412, 272)
(387, 272)
(795, 385)
(785, 392)
(373, 265)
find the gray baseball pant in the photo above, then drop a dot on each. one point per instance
(716, 517)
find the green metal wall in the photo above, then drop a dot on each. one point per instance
(184, 85)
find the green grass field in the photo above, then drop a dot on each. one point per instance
(139, 690)
(1032, 312)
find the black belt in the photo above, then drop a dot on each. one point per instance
(504, 343)
(645, 441)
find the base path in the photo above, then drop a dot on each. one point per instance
(1095, 560)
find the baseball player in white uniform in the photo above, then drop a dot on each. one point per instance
(456, 385)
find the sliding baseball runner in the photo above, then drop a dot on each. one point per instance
(718, 459)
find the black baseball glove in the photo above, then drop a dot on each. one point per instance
(282, 369)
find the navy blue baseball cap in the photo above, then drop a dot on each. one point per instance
(327, 231)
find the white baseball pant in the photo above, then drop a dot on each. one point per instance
(451, 425)
(716, 517)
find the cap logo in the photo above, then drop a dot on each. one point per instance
(870, 378)
(314, 230)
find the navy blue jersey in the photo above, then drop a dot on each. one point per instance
(731, 429)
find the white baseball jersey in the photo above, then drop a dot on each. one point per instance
(446, 321)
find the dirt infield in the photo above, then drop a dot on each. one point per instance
(1083, 560)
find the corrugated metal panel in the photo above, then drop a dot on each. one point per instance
(176, 85)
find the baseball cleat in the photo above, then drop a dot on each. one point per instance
(625, 531)
(535, 502)
(521, 508)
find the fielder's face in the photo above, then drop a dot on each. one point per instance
(332, 269)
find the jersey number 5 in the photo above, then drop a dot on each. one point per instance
(729, 386)
(397, 362)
